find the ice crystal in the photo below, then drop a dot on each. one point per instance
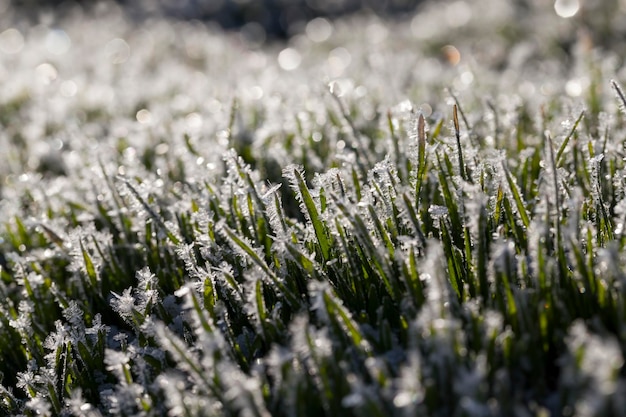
(25, 380)
(23, 322)
(124, 304)
(79, 406)
(40, 406)
(594, 364)
(57, 339)
(97, 327)
(74, 314)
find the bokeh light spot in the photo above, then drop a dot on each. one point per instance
(289, 59)
(426, 109)
(338, 60)
(458, 14)
(575, 87)
(451, 54)
(58, 42)
(194, 120)
(68, 88)
(47, 73)
(319, 29)
(566, 8)
(144, 116)
(11, 41)
(117, 51)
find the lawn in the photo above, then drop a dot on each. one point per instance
(418, 215)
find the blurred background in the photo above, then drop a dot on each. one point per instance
(278, 18)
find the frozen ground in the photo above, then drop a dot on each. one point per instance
(160, 253)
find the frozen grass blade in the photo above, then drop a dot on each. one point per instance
(153, 215)
(563, 146)
(451, 204)
(457, 134)
(345, 323)
(521, 208)
(620, 95)
(421, 154)
(89, 266)
(254, 256)
(311, 210)
(359, 144)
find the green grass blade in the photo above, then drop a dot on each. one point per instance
(320, 231)
(521, 208)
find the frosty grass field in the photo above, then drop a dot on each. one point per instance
(414, 217)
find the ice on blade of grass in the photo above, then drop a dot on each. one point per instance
(620, 217)
(58, 338)
(115, 359)
(438, 291)
(185, 252)
(147, 293)
(124, 304)
(609, 266)
(621, 97)
(73, 314)
(242, 391)
(198, 369)
(290, 173)
(595, 167)
(356, 399)
(275, 212)
(80, 241)
(471, 386)
(33, 279)
(23, 322)
(182, 399)
(437, 212)
(316, 291)
(97, 327)
(123, 400)
(591, 371)
(40, 406)
(475, 206)
(26, 380)
(78, 406)
(278, 363)
(410, 393)
(504, 258)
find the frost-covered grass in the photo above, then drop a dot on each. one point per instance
(414, 218)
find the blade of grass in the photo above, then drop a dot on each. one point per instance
(320, 231)
(521, 208)
(563, 146)
(457, 134)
